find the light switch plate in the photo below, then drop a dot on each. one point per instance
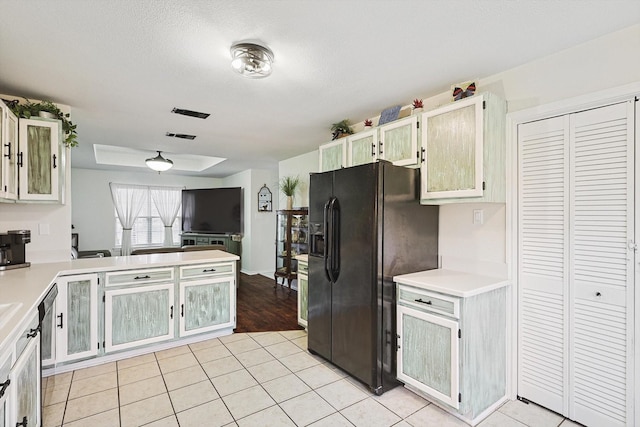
(43, 229)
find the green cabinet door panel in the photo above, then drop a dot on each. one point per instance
(430, 360)
(362, 151)
(332, 155)
(363, 147)
(207, 305)
(451, 150)
(39, 160)
(397, 144)
(76, 319)
(78, 322)
(303, 300)
(5, 369)
(26, 386)
(140, 315)
(42, 165)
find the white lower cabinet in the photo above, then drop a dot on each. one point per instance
(207, 305)
(5, 386)
(303, 292)
(76, 321)
(137, 316)
(25, 376)
(207, 298)
(428, 354)
(452, 350)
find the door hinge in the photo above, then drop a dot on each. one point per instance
(459, 333)
(104, 344)
(98, 345)
(418, 125)
(98, 281)
(459, 397)
(633, 246)
(484, 185)
(484, 105)
(104, 298)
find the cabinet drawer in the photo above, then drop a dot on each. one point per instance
(428, 301)
(30, 332)
(118, 278)
(206, 270)
(303, 268)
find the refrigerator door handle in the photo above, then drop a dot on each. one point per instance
(334, 218)
(327, 241)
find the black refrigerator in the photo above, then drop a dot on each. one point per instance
(366, 225)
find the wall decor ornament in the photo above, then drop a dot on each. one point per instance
(463, 90)
(389, 115)
(265, 199)
(341, 129)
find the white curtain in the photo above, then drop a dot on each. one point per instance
(128, 201)
(167, 201)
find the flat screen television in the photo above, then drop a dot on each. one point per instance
(212, 210)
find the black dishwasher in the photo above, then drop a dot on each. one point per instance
(45, 322)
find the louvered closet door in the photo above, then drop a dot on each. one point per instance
(543, 262)
(576, 275)
(602, 264)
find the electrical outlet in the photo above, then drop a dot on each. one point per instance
(478, 216)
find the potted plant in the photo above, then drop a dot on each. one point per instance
(289, 185)
(46, 109)
(417, 106)
(341, 129)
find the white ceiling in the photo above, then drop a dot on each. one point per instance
(123, 65)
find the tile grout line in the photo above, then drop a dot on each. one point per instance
(173, 408)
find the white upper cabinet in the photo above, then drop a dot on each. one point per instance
(9, 149)
(333, 155)
(463, 152)
(40, 160)
(363, 147)
(399, 142)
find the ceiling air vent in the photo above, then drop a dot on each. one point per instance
(190, 113)
(181, 135)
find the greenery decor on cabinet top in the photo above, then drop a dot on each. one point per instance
(32, 109)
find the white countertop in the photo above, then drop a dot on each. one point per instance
(28, 286)
(452, 282)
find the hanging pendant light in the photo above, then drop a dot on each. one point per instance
(159, 163)
(251, 60)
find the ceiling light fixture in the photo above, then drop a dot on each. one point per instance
(159, 163)
(251, 60)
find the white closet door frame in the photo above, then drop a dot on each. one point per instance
(595, 284)
(592, 100)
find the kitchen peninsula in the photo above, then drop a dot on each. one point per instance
(106, 309)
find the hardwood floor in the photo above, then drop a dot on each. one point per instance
(262, 308)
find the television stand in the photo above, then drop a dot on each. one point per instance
(232, 242)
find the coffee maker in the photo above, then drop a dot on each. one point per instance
(12, 250)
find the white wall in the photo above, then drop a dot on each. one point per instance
(603, 63)
(93, 214)
(299, 166)
(258, 253)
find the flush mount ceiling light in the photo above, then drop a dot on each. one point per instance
(159, 163)
(251, 60)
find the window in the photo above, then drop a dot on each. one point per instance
(148, 229)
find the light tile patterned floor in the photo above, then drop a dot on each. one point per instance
(255, 379)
